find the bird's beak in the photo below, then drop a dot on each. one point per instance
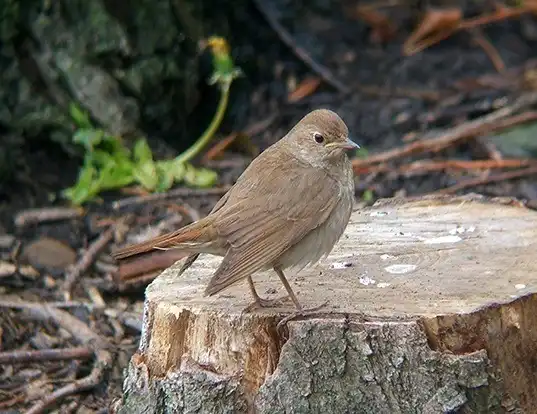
(348, 144)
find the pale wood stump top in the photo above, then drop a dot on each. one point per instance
(396, 259)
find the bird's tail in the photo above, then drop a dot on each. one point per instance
(197, 237)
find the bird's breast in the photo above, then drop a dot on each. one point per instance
(320, 241)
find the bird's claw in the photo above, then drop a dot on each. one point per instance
(261, 303)
(300, 313)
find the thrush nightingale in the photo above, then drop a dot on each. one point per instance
(287, 210)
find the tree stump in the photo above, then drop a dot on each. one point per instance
(431, 309)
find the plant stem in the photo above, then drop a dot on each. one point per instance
(211, 129)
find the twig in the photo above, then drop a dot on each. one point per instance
(177, 193)
(11, 402)
(80, 331)
(41, 215)
(494, 121)
(86, 261)
(148, 263)
(103, 361)
(218, 148)
(493, 54)
(508, 175)
(30, 305)
(424, 167)
(85, 336)
(138, 282)
(59, 354)
(304, 56)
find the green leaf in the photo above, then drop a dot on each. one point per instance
(101, 158)
(165, 177)
(146, 175)
(142, 152)
(88, 137)
(114, 176)
(200, 177)
(86, 186)
(145, 170)
(79, 117)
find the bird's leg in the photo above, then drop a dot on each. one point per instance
(259, 302)
(300, 311)
(287, 286)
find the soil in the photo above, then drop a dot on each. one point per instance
(377, 121)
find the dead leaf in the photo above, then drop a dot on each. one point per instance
(304, 89)
(436, 25)
(217, 150)
(382, 29)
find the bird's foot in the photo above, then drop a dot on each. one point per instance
(300, 313)
(260, 303)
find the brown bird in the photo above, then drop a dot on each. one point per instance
(287, 209)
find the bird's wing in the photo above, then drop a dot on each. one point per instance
(264, 217)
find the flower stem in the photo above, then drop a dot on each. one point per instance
(196, 148)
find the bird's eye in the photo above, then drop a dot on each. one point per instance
(317, 136)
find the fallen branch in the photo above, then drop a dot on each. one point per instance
(60, 354)
(177, 193)
(139, 281)
(42, 215)
(424, 167)
(14, 304)
(84, 335)
(103, 361)
(87, 259)
(157, 260)
(495, 121)
(78, 329)
(509, 175)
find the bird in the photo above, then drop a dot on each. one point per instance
(287, 210)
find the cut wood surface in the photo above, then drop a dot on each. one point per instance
(431, 309)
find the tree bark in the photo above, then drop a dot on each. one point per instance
(431, 309)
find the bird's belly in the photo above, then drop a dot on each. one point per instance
(320, 241)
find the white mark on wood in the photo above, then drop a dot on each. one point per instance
(379, 213)
(175, 310)
(443, 239)
(340, 265)
(387, 256)
(520, 286)
(461, 230)
(400, 269)
(383, 285)
(366, 280)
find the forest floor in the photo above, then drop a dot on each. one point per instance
(458, 116)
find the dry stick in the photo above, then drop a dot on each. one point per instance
(423, 167)
(41, 215)
(86, 261)
(497, 120)
(30, 305)
(56, 354)
(304, 56)
(481, 40)
(508, 175)
(149, 263)
(177, 193)
(103, 360)
(84, 335)
(80, 331)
